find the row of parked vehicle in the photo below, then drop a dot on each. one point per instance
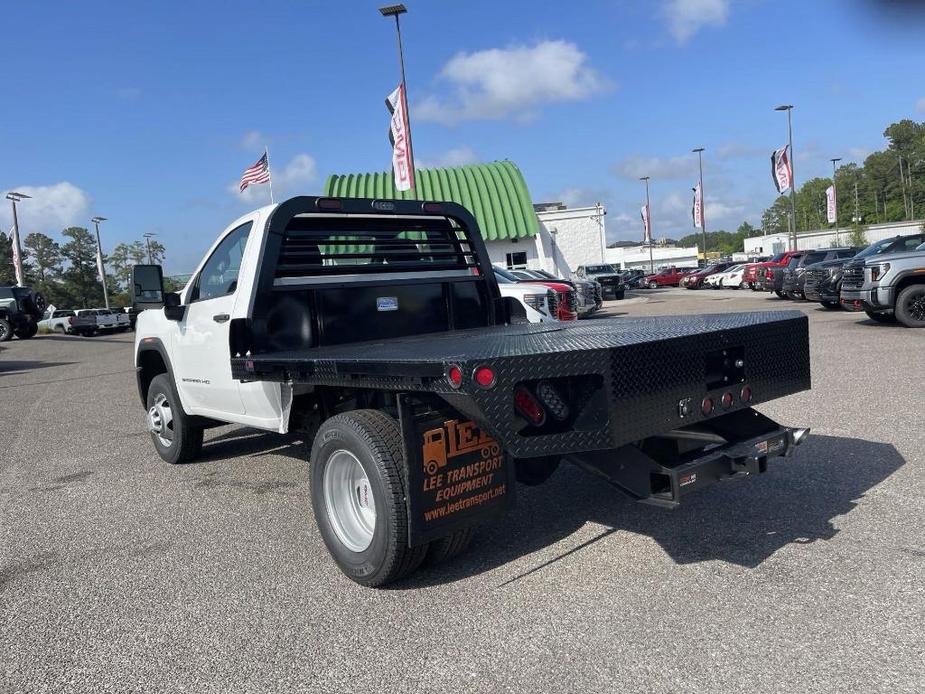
(886, 279)
(23, 311)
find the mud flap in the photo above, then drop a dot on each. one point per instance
(456, 474)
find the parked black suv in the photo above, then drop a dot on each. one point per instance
(20, 311)
(794, 275)
(823, 281)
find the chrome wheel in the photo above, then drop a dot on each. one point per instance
(348, 498)
(160, 420)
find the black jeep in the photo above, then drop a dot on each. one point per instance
(20, 311)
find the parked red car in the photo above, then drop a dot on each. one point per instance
(566, 307)
(754, 272)
(667, 277)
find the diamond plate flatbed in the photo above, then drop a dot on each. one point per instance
(647, 368)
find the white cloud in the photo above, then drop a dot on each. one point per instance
(50, 209)
(635, 166)
(512, 82)
(458, 156)
(253, 140)
(295, 178)
(920, 105)
(686, 17)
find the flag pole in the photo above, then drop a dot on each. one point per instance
(266, 153)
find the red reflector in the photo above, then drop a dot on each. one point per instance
(746, 394)
(484, 376)
(434, 207)
(329, 204)
(727, 400)
(455, 375)
(707, 406)
(528, 406)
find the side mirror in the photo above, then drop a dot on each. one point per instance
(173, 310)
(147, 287)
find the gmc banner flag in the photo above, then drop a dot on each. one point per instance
(99, 263)
(781, 170)
(398, 136)
(647, 234)
(831, 205)
(697, 210)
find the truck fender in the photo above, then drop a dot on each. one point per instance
(147, 366)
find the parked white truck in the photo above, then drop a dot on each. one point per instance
(68, 322)
(377, 330)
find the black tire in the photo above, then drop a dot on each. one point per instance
(881, 317)
(450, 547)
(28, 332)
(910, 306)
(831, 305)
(374, 440)
(653, 285)
(619, 295)
(185, 438)
(6, 330)
(534, 471)
(780, 295)
(59, 329)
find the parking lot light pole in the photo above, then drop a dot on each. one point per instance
(793, 181)
(395, 11)
(99, 255)
(834, 161)
(649, 224)
(17, 245)
(147, 236)
(703, 203)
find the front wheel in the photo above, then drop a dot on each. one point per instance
(881, 317)
(27, 332)
(175, 437)
(6, 330)
(910, 306)
(780, 295)
(653, 285)
(358, 497)
(831, 305)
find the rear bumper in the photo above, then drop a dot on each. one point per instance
(640, 474)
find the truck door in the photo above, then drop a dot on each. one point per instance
(202, 362)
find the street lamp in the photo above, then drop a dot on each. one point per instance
(703, 204)
(99, 257)
(834, 161)
(147, 236)
(395, 11)
(793, 184)
(648, 225)
(17, 247)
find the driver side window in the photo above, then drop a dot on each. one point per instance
(219, 276)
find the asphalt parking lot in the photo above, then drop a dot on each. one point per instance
(121, 573)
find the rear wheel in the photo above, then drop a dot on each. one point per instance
(450, 547)
(59, 329)
(881, 317)
(358, 497)
(6, 330)
(910, 306)
(175, 437)
(28, 331)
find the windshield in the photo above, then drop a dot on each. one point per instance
(811, 258)
(876, 248)
(920, 248)
(599, 269)
(505, 277)
(777, 258)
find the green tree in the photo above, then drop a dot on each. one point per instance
(775, 219)
(122, 258)
(858, 236)
(7, 273)
(79, 279)
(46, 256)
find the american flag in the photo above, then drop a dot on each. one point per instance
(258, 173)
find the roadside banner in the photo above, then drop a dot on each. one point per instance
(781, 169)
(647, 229)
(831, 205)
(398, 136)
(99, 262)
(697, 210)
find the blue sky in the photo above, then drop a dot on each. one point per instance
(148, 114)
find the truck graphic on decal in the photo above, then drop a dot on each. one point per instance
(434, 450)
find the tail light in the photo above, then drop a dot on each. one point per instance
(707, 406)
(746, 394)
(527, 405)
(454, 375)
(727, 400)
(484, 376)
(546, 392)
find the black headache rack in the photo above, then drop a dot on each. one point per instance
(600, 385)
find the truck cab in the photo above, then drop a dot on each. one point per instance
(889, 287)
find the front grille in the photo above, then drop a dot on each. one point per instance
(587, 291)
(571, 300)
(814, 278)
(552, 301)
(853, 277)
(598, 293)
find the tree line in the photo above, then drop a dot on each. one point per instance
(66, 274)
(888, 187)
